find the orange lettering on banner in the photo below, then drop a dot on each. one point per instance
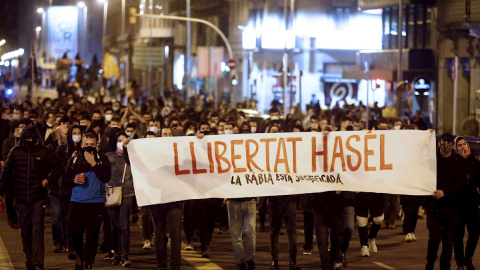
(235, 169)
(355, 151)
(369, 152)
(177, 167)
(194, 161)
(221, 157)
(316, 153)
(338, 143)
(249, 156)
(383, 166)
(267, 150)
(281, 145)
(294, 150)
(210, 158)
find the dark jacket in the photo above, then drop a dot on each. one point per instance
(329, 200)
(9, 144)
(27, 166)
(449, 180)
(64, 153)
(469, 194)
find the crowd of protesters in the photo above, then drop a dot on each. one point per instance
(76, 147)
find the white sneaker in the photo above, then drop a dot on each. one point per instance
(413, 237)
(408, 237)
(372, 245)
(147, 244)
(365, 251)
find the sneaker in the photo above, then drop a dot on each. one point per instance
(58, 249)
(110, 255)
(205, 253)
(72, 255)
(294, 266)
(251, 265)
(365, 251)
(274, 265)
(372, 245)
(126, 262)
(307, 251)
(147, 244)
(414, 239)
(189, 247)
(117, 260)
(408, 237)
(78, 264)
(337, 266)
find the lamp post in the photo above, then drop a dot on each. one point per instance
(104, 30)
(83, 6)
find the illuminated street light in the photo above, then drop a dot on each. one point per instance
(101, 1)
(2, 42)
(81, 4)
(40, 10)
(38, 29)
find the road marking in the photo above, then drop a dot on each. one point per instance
(5, 262)
(196, 260)
(384, 265)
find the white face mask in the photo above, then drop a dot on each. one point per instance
(76, 138)
(120, 146)
(130, 134)
(228, 132)
(397, 127)
(70, 102)
(275, 117)
(16, 117)
(108, 117)
(356, 128)
(253, 129)
(116, 108)
(153, 129)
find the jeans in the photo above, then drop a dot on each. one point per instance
(147, 224)
(467, 217)
(120, 222)
(348, 226)
(242, 221)
(329, 218)
(391, 208)
(86, 217)
(288, 214)
(308, 221)
(262, 211)
(441, 224)
(410, 206)
(58, 221)
(32, 228)
(204, 211)
(168, 216)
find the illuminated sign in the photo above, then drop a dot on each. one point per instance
(422, 84)
(62, 35)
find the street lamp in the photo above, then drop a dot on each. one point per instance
(38, 29)
(40, 10)
(2, 42)
(81, 4)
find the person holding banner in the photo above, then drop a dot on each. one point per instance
(441, 208)
(468, 211)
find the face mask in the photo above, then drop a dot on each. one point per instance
(253, 129)
(228, 132)
(356, 128)
(206, 132)
(397, 127)
(108, 117)
(48, 105)
(116, 108)
(153, 129)
(16, 117)
(70, 102)
(31, 143)
(90, 149)
(130, 134)
(76, 138)
(276, 117)
(349, 128)
(120, 146)
(83, 127)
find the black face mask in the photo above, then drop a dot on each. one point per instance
(83, 127)
(90, 149)
(205, 132)
(349, 128)
(32, 143)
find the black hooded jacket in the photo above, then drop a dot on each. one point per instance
(27, 166)
(469, 195)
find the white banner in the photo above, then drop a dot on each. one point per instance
(62, 25)
(250, 165)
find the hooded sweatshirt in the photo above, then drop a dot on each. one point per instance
(469, 196)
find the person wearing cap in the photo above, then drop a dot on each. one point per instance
(469, 201)
(441, 208)
(29, 168)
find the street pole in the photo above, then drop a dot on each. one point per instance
(367, 73)
(455, 91)
(285, 61)
(188, 63)
(85, 30)
(400, 43)
(104, 31)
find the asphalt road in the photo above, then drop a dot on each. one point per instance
(393, 252)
